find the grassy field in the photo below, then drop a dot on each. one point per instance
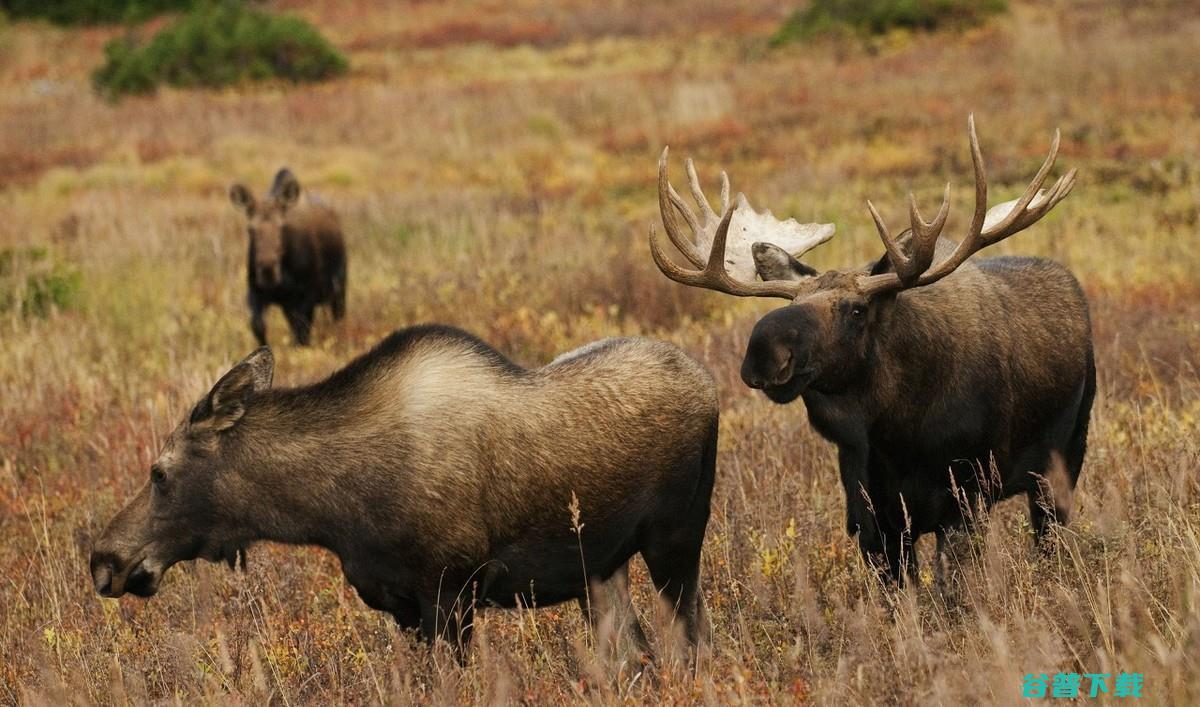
(494, 165)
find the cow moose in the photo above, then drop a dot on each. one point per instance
(946, 383)
(296, 259)
(444, 477)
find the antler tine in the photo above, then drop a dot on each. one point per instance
(922, 243)
(668, 203)
(665, 264)
(724, 192)
(981, 189)
(693, 248)
(697, 192)
(1048, 199)
(895, 253)
(924, 235)
(1063, 186)
(716, 256)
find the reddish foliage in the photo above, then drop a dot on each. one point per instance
(24, 167)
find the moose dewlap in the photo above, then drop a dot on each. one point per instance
(444, 477)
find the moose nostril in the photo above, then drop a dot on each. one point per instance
(102, 578)
(785, 371)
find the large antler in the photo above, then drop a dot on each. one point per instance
(913, 268)
(712, 232)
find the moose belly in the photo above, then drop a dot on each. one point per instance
(551, 571)
(923, 488)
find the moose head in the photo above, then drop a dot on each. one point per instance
(265, 221)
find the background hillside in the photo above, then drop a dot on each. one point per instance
(494, 165)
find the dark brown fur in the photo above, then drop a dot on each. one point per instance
(979, 385)
(296, 257)
(443, 476)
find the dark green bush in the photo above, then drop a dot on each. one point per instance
(36, 285)
(218, 44)
(90, 12)
(871, 17)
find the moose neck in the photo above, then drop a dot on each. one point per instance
(914, 338)
(303, 472)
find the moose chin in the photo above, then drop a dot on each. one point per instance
(943, 380)
(445, 478)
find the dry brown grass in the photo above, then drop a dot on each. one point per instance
(507, 189)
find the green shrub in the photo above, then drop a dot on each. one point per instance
(36, 285)
(90, 12)
(870, 17)
(218, 44)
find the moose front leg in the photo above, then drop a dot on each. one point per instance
(382, 597)
(300, 319)
(407, 613)
(895, 556)
(889, 550)
(452, 621)
(610, 601)
(860, 518)
(257, 325)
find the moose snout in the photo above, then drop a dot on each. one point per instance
(104, 570)
(113, 577)
(269, 275)
(758, 373)
(102, 579)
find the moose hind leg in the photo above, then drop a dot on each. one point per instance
(1051, 498)
(671, 546)
(337, 301)
(674, 563)
(608, 608)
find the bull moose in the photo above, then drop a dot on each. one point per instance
(944, 382)
(296, 259)
(444, 477)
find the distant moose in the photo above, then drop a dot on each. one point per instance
(943, 381)
(297, 256)
(444, 477)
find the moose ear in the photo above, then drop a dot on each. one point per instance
(880, 266)
(226, 402)
(286, 188)
(241, 198)
(943, 249)
(775, 263)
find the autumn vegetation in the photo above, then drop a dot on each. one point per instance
(217, 44)
(494, 165)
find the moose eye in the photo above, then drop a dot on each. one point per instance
(157, 476)
(858, 310)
